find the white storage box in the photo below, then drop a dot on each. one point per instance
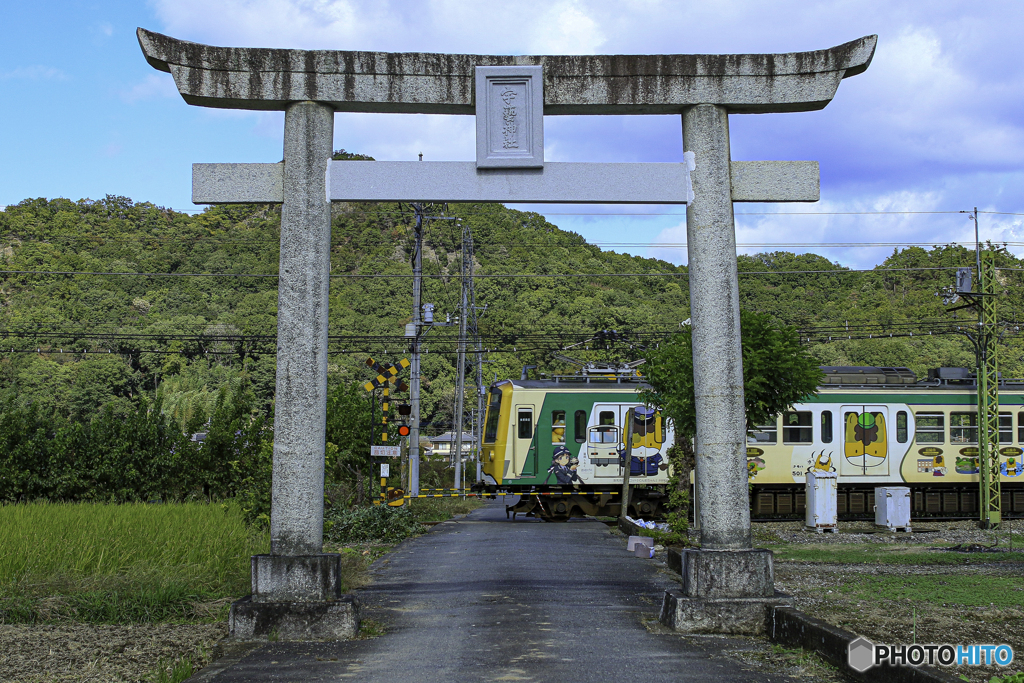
(821, 501)
(892, 507)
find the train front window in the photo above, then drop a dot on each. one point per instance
(525, 423)
(606, 417)
(604, 435)
(768, 433)
(931, 428)
(797, 427)
(963, 428)
(558, 426)
(580, 431)
(1005, 428)
(493, 414)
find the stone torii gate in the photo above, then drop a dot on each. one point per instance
(727, 583)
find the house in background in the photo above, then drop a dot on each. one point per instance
(444, 444)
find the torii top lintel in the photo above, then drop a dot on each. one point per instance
(433, 83)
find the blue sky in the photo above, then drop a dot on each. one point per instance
(935, 124)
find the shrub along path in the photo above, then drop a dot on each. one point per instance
(484, 599)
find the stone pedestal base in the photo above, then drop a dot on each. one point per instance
(296, 578)
(295, 597)
(724, 591)
(727, 573)
(719, 615)
(328, 620)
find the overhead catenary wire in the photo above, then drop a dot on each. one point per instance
(510, 276)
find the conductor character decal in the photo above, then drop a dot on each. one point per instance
(646, 459)
(563, 467)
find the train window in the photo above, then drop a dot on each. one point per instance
(558, 426)
(493, 414)
(580, 425)
(826, 426)
(1005, 428)
(796, 427)
(931, 428)
(768, 433)
(606, 417)
(963, 428)
(526, 423)
(901, 426)
(1020, 428)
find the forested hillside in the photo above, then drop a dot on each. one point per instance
(105, 301)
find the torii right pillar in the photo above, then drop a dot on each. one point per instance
(728, 585)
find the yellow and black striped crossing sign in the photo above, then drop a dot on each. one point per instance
(386, 373)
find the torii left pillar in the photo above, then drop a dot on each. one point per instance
(296, 589)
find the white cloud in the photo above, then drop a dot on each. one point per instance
(153, 86)
(934, 123)
(35, 72)
(325, 24)
(402, 137)
(566, 28)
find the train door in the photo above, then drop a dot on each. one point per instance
(603, 441)
(524, 448)
(865, 441)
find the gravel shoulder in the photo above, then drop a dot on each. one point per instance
(99, 653)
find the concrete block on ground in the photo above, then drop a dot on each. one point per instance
(644, 551)
(634, 540)
(296, 621)
(674, 560)
(629, 528)
(296, 578)
(712, 574)
(719, 615)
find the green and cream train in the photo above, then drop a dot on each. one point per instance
(874, 426)
(559, 443)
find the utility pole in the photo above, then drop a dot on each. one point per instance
(628, 429)
(987, 376)
(414, 357)
(481, 392)
(460, 387)
(988, 395)
(985, 339)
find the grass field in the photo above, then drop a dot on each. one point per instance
(948, 589)
(885, 554)
(123, 563)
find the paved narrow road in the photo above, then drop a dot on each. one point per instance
(486, 599)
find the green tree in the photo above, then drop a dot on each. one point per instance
(777, 372)
(348, 442)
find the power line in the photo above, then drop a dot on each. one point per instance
(510, 276)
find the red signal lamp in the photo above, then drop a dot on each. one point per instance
(404, 430)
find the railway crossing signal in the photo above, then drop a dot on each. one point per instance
(386, 373)
(386, 379)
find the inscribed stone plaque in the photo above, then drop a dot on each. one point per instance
(509, 117)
